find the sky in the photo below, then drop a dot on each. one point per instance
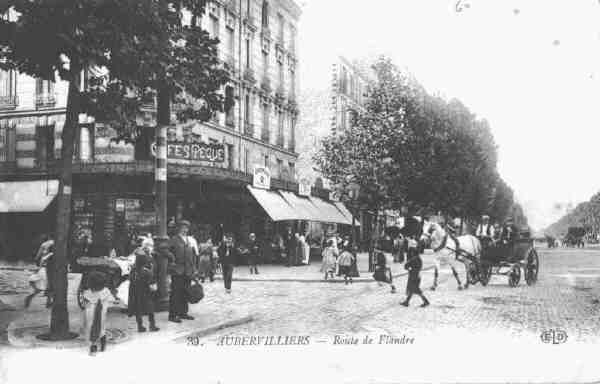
(531, 68)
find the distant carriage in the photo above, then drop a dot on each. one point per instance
(509, 259)
(575, 237)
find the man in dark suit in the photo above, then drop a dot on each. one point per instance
(183, 269)
(228, 254)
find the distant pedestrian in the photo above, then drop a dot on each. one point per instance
(253, 253)
(304, 250)
(345, 262)
(329, 255)
(95, 299)
(290, 246)
(205, 263)
(383, 273)
(227, 256)
(142, 288)
(183, 268)
(414, 265)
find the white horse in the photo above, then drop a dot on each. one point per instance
(445, 251)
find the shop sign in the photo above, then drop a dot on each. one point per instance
(182, 150)
(120, 205)
(304, 187)
(262, 177)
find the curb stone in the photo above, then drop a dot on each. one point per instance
(215, 328)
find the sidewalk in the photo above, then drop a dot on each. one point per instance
(121, 328)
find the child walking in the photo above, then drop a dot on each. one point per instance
(413, 265)
(345, 262)
(38, 281)
(330, 254)
(96, 299)
(383, 274)
(142, 288)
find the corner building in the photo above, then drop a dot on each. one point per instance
(210, 166)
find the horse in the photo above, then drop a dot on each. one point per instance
(450, 250)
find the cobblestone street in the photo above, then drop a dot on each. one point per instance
(566, 297)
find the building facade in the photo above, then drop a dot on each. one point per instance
(210, 164)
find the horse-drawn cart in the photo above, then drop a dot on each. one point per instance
(508, 259)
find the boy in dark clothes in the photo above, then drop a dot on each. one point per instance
(413, 265)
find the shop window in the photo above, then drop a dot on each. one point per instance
(7, 141)
(44, 144)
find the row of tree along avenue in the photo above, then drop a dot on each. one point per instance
(136, 51)
(416, 152)
(585, 214)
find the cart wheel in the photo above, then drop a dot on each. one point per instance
(514, 276)
(532, 267)
(80, 294)
(486, 274)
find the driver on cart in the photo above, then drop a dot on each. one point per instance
(485, 232)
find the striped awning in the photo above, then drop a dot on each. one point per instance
(273, 204)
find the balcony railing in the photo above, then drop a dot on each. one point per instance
(45, 101)
(9, 102)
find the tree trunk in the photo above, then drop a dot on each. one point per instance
(374, 238)
(163, 120)
(59, 320)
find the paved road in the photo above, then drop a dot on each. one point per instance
(494, 329)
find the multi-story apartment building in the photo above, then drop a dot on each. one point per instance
(210, 166)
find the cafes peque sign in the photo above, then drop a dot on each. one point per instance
(182, 150)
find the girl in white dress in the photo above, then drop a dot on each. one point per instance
(96, 299)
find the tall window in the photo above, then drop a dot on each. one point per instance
(44, 144)
(292, 167)
(8, 88)
(292, 40)
(265, 134)
(280, 128)
(214, 22)
(248, 53)
(280, 75)
(231, 43)
(229, 107)
(292, 143)
(279, 168)
(44, 93)
(265, 57)
(7, 140)
(281, 25)
(292, 83)
(248, 115)
(248, 8)
(265, 14)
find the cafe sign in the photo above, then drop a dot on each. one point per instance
(262, 177)
(182, 150)
(304, 187)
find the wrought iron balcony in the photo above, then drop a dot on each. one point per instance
(45, 101)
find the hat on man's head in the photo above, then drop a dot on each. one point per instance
(485, 217)
(183, 223)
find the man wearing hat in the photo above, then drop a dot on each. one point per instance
(485, 231)
(183, 269)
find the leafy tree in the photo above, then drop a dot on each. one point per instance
(147, 46)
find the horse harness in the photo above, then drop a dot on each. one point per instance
(458, 251)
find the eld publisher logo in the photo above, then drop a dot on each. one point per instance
(554, 336)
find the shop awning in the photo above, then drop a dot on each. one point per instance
(27, 196)
(329, 213)
(342, 208)
(303, 206)
(275, 206)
